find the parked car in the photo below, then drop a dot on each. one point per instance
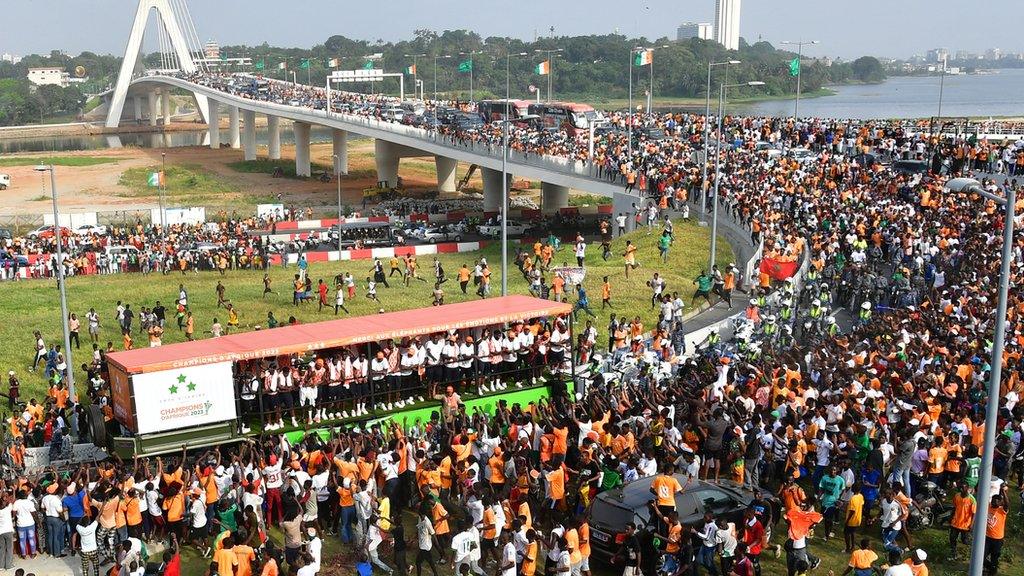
(614, 508)
(90, 229)
(6, 257)
(494, 230)
(49, 232)
(768, 149)
(433, 235)
(801, 155)
(910, 167)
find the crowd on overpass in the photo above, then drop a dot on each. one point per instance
(846, 430)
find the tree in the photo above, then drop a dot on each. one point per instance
(867, 69)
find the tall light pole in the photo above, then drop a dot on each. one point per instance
(470, 54)
(972, 186)
(337, 161)
(629, 118)
(415, 72)
(60, 276)
(718, 162)
(942, 81)
(551, 69)
(436, 57)
(707, 123)
(504, 172)
(799, 69)
(163, 177)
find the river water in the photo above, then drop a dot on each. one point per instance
(981, 95)
(985, 95)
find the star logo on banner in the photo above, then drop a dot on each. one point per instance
(191, 386)
(181, 378)
(173, 389)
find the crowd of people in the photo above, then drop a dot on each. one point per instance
(845, 428)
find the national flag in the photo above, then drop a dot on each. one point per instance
(156, 179)
(644, 57)
(333, 63)
(260, 64)
(282, 66)
(779, 269)
(368, 65)
(411, 70)
(794, 67)
(305, 64)
(223, 57)
(543, 68)
(466, 66)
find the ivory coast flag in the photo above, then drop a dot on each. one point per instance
(282, 66)
(333, 63)
(543, 68)
(411, 70)
(644, 57)
(156, 179)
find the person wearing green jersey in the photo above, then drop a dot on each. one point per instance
(703, 283)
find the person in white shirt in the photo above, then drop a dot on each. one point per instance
(25, 520)
(54, 512)
(6, 533)
(466, 545)
(89, 549)
(197, 507)
(507, 560)
(314, 547)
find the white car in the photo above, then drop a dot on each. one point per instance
(494, 230)
(438, 234)
(769, 149)
(801, 155)
(90, 229)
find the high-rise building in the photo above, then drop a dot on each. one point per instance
(688, 30)
(993, 54)
(211, 50)
(727, 23)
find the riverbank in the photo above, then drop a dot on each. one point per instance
(91, 129)
(671, 102)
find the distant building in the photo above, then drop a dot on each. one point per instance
(687, 30)
(993, 54)
(12, 58)
(211, 50)
(727, 23)
(49, 76)
(936, 55)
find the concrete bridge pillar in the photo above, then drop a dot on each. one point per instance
(492, 188)
(153, 101)
(301, 131)
(553, 197)
(233, 135)
(165, 101)
(273, 137)
(249, 136)
(445, 174)
(387, 163)
(137, 105)
(340, 138)
(214, 124)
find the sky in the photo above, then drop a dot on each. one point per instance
(887, 28)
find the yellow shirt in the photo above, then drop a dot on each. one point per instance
(855, 510)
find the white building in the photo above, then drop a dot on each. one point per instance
(12, 58)
(727, 23)
(211, 50)
(49, 76)
(702, 30)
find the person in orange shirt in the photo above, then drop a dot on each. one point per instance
(862, 560)
(225, 558)
(560, 444)
(960, 524)
(245, 556)
(995, 531)
(606, 294)
(529, 564)
(555, 488)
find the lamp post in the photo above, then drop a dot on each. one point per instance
(707, 122)
(337, 161)
(551, 69)
(163, 176)
(942, 81)
(436, 57)
(415, 72)
(799, 70)
(60, 275)
(504, 173)
(718, 161)
(971, 186)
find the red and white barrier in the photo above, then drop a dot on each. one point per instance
(384, 253)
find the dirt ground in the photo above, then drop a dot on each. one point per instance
(96, 188)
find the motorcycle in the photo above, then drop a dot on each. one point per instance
(930, 507)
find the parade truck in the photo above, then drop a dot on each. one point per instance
(191, 393)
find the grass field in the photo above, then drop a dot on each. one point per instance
(36, 306)
(76, 161)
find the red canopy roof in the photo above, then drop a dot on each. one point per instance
(335, 333)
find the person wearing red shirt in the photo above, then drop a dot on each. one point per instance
(753, 539)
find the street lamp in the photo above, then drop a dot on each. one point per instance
(942, 81)
(60, 276)
(718, 161)
(504, 173)
(436, 57)
(337, 162)
(707, 121)
(415, 72)
(799, 52)
(551, 68)
(971, 186)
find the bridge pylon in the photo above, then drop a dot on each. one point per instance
(132, 63)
